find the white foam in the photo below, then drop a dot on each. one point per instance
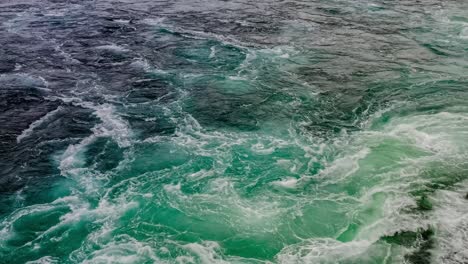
(262, 149)
(123, 249)
(220, 196)
(112, 125)
(451, 216)
(172, 188)
(23, 79)
(286, 183)
(427, 141)
(141, 64)
(322, 251)
(113, 47)
(148, 195)
(237, 78)
(281, 51)
(45, 260)
(27, 132)
(344, 166)
(392, 214)
(80, 211)
(154, 21)
(122, 21)
(185, 259)
(195, 34)
(202, 174)
(464, 33)
(72, 161)
(19, 22)
(213, 52)
(206, 252)
(7, 230)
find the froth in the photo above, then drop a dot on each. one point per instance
(451, 215)
(27, 132)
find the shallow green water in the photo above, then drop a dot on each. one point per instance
(206, 132)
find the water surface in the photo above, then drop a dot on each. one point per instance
(138, 131)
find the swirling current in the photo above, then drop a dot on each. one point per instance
(205, 131)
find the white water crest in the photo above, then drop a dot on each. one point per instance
(30, 130)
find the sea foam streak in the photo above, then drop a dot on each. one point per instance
(30, 130)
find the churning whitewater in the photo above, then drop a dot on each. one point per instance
(140, 131)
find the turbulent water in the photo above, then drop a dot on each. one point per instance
(204, 131)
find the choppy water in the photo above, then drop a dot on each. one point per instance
(164, 131)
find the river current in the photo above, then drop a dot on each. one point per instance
(203, 131)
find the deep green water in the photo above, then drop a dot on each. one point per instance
(234, 132)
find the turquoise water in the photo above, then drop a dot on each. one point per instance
(233, 132)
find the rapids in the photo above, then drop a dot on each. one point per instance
(203, 131)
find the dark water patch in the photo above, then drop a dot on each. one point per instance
(34, 129)
(7, 63)
(147, 127)
(423, 203)
(223, 112)
(27, 227)
(103, 155)
(423, 253)
(157, 90)
(445, 179)
(408, 238)
(422, 240)
(440, 180)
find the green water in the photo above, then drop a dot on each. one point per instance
(231, 151)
